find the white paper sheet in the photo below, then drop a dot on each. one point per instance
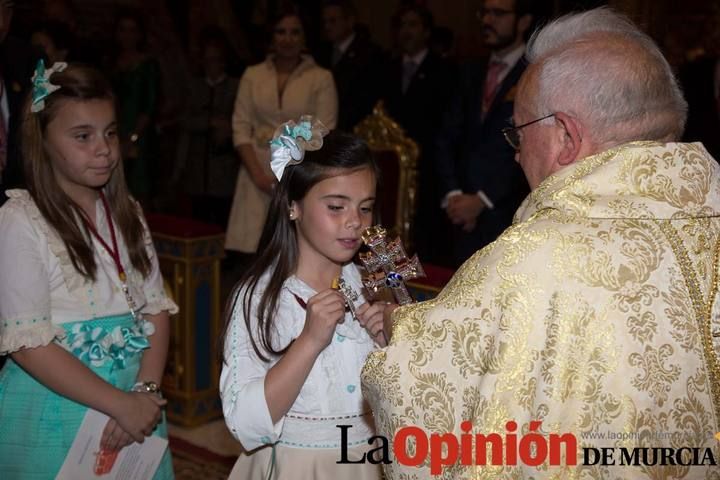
(137, 461)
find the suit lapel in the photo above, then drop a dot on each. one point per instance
(349, 55)
(396, 73)
(506, 85)
(475, 88)
(420, 74)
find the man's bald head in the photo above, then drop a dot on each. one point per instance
(599, 67)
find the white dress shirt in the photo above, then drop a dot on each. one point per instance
(417, 59)
(509, 59)
(345, 44)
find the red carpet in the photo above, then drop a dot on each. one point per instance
(195, 463)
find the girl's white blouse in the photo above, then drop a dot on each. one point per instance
(40, 289)
(332, 389)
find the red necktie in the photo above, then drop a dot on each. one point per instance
(492, 82)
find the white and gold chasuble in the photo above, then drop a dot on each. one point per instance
(597, 311)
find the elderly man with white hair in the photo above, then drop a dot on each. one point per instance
(584, 342)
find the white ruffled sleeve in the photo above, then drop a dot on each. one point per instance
(242, 387)
(156, 298)
(25, 319)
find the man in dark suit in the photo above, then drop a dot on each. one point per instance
(418, 85)
(354, 61)
(481, 185)
(17, 63)
(701, 84)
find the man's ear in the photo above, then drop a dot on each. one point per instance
(571, 138)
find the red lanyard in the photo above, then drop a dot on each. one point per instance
(114, 251)
(300, 301)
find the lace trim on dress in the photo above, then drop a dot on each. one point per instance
(38, 335)
(77, 284)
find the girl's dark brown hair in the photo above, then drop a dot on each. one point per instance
(340, 154)
(81, 84)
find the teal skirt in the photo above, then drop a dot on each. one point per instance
(38, 426)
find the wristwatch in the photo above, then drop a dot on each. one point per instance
(146, 387)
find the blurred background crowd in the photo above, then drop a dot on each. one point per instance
(193, 134)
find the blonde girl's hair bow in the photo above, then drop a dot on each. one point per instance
(292, 140)
(41, 86)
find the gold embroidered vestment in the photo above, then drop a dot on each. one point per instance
(595, 313)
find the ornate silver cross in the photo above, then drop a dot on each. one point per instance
(388, 265)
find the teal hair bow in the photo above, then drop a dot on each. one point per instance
(41, 86)
(292, 140)
(302, 129)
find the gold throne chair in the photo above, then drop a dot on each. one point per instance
(396, 155)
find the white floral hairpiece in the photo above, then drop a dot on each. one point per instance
(41, 86)
(292, 140)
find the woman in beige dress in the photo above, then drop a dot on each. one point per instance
(286, 85)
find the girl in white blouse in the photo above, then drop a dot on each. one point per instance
(83, 313)
(293, 353)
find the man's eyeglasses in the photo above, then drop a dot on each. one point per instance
(493, 12)
(512, 134)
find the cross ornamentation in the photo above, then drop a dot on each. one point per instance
(388, 265)
(351, 296)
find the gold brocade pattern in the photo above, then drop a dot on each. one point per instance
(594, 313)
(703, 307)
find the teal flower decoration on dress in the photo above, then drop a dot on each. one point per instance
(292, 140)
(96, 345)
(41, 86)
